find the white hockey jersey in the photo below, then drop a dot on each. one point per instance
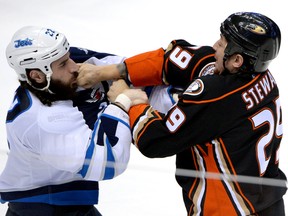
(55, 156)
(59, 153)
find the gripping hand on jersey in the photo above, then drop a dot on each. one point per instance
(121, 94)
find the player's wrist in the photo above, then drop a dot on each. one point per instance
(124, 101)
(122, 70)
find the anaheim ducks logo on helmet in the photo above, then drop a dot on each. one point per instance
(256, 29)
(195, 88)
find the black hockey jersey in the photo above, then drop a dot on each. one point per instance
(228, 125)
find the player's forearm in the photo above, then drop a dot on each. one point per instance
(90, 74)
(111, 72)
(122, 70)
(145, 69)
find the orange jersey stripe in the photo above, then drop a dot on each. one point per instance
(216, 194)
(234, 173)
(223, 96)
(210, 195)
(135, 111)
(192, 76)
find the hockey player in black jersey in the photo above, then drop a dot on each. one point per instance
(228, 124)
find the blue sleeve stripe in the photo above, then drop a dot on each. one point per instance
(89, 152)
(109, 169)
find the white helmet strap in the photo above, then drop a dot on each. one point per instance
(46, 88)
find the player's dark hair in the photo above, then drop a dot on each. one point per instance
(43, 96)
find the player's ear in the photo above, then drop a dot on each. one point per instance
(238, 61)
(37, 75)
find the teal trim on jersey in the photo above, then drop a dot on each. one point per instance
(79, 197)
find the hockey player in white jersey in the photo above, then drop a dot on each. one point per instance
(57, 154)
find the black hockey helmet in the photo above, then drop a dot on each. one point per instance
(254, 36)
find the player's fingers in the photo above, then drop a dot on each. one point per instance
(82, 82)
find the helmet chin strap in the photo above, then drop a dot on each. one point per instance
(224, 60)
(46, 88)
(225, 71)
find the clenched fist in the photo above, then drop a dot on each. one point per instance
(137, 96)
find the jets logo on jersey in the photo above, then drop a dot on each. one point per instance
(195, 88)
(95, 95)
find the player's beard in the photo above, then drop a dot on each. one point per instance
(64, 91)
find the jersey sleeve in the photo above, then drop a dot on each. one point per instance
(67, 144)
(146, 69)
(183, 126)
(178, 65)
(108, 152)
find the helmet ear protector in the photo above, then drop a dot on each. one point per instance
(34, 47)
(254, 36)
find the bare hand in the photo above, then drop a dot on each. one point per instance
(90, 74)
(137, 96)
(116, 88)
(87, 75)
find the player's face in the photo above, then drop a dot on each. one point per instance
(229, 63)
(219, 48)
(64, 76)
